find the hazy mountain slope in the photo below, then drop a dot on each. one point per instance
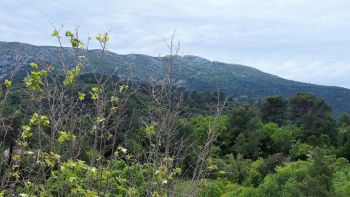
(199, 74)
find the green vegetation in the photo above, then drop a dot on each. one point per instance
(65, 132)
(242, 83)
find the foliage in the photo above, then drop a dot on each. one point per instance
(280, 139)
(34, 81)
(274, 109)
(71, 75)
(134, 139)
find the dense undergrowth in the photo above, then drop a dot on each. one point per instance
(67, 134)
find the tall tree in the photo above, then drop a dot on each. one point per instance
(273, 109)
(244, 121)
(318, 181)
(313, 115)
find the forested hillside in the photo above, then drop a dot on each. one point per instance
(241, 82)
(72, 127)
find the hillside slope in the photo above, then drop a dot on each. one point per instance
(241, 82)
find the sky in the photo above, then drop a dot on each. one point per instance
(302, 40)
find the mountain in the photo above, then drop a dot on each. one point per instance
(241, 82)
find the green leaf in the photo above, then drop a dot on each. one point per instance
(34, 65)
(55, 33)
(26, 132)
(8, 83)
(33, 80)
(82, 96)
(150, 130)
(69, 34)
(66, 137)
(95, 91)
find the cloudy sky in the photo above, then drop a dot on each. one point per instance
(303, 40)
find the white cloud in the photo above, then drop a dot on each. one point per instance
(306, 40)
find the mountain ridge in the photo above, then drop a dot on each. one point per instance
(199, 74)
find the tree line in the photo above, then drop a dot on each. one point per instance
(64, 133)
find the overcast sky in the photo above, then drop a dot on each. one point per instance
(303, 40)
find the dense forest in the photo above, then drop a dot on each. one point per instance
(243, 83)
(65, 133)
